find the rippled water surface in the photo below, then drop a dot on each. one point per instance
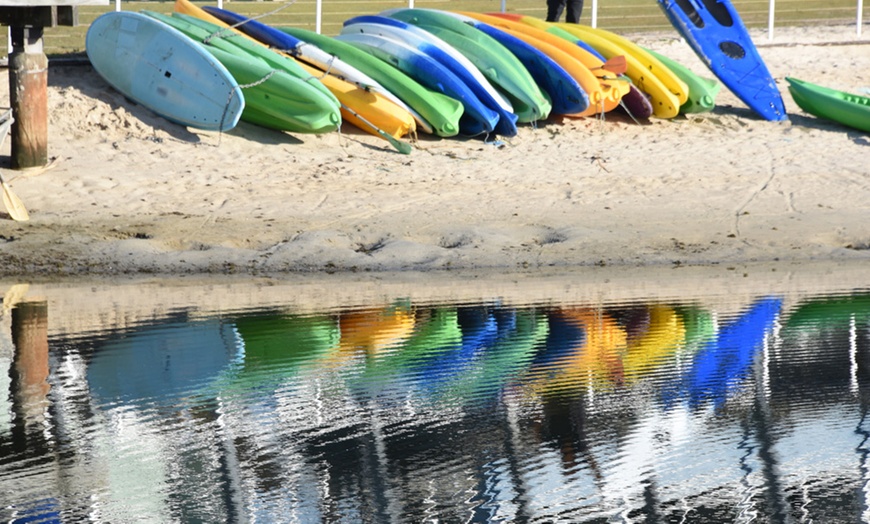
(746, 408)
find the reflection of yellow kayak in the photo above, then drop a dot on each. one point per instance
(665, 335)
(375, 332)
(597, 362)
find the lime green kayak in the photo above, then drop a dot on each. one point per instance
(440, 112)
(239, 42)
(274, 98)
(702, 91)
(498, 65)
(842, 107)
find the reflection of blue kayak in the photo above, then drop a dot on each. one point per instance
(159, 364)
(520, 335)
(564, 336)
(723, 362)
(479, 329)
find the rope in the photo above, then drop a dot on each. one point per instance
(260, 81)
(245, 21)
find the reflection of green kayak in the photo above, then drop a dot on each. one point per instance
(699, 327)
(827, 312)
(432, 337)
(277, 348)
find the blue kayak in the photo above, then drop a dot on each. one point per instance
(478, 118)
(716, 33)
(447, 56)
(566, 94)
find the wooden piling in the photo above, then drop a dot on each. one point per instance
(28, 94)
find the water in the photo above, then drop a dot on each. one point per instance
(744, 405)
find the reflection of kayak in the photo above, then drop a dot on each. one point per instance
(375, 332)
(595, 362)
(159, 364)
(520, 334)
(436, 332)
(828, 312)
(278, 348)
(720, 366)
(666, 334)
(479, 330)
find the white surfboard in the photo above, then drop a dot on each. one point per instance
(160, 68)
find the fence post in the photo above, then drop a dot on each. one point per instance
(771, 10)
(860, 18)
(318, 16)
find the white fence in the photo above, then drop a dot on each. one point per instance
(771, 14)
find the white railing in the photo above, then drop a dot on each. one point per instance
(771, 14)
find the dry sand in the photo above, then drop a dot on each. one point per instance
(129, 192)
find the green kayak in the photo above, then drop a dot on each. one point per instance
(842, 107)
(274, 98)
(702, 91)
(238, 41)
(440, 112)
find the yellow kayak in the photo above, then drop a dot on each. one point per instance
(668, 77)
(665, 103)
(611, 87)
(602, 97)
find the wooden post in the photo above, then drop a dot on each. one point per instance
(28, 94)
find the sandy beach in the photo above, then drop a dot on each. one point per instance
(128, 192)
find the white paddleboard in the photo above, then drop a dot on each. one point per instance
(160, 68)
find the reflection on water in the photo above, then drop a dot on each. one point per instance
(669, 412)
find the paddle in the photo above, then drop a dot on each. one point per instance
(616, 65)
(401, 147)
(14, 205)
